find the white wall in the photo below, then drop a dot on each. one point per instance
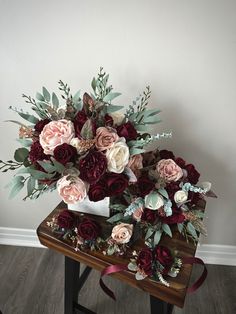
(184, 49)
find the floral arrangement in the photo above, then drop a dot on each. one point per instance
(88, 148)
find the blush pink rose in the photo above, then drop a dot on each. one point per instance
(169, 170)
(136, 162)
(105, 138)
(71, 189)
(137, 214)
(122, 233)
(56, 133)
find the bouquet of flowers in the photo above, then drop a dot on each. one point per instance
(88, 148)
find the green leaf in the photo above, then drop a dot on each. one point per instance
(180, 227)
(76, 97)
(14, 181)
(112, 108)
(21, 154)
(142, 127)
(157, 237)
(55, 101)
(39, 97)
(40, 175)
(136, 151)
(28, 117)
(47, 166)
(17, 122)
(30, 185)
(191, 230)
(151, 112)
(115, 218)
(111, 96)
(94, 84)
(58, 166)
(149, 233)
(151, 120)
(24, 142)
(167, 229)
(110, 250)
(132, 266)
(16, 187)
(87, 130)
(163, 192)
(46, 94)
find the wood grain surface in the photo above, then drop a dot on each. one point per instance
(175, 294)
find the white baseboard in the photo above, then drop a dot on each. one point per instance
(19, 237)
(209, 253)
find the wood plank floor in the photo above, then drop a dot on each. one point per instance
(32, 281)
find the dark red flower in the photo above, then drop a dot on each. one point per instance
(88, 229)
(115, 183)
(97, 192)
(92, 166)
(65, 153)
(192, 174)
(171, 189)
(176, 217)
(166, 154)
(180, 162)
(127, 131)
(163, 255)
(79, 121)
(41, 124)
(150, 215)
(36, 153)
(145, 185)
(144, 261)
(108, 120)
(66, 219)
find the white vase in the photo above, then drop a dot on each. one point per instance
(100, 208)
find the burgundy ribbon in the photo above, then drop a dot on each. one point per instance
(201, 279)
(120, 267)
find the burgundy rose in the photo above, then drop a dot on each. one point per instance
(180, 162)
(145, 185)
(115, 183)
(171, 189)
(97, 192)
(36, 153)
(150, 215)
(176, 217)
(65, 153)
(41, 124)
(166, 154)
(66, 219)
(192, 174)
(127, 131)
(79, 121)
(163, 255)
(144, 261)
(108, 120)
(92, 166)
(88, 229)
(194, 197)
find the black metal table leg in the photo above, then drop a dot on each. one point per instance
(73, 284)
(159, 306)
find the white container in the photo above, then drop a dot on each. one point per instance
(100, 208)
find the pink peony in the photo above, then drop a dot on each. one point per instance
(105, 138)
(56, 133)
(71, 189)
(169, 170)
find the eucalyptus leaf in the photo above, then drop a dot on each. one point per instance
(157, 237)
(58, 166)
(180, 227)
(46, 94)
(30, 185)
(111, 96)
(40, 175)
(16, 189)
(115, 218)
(94, 84)
(167, 230)
(87, 130)
(142, 127)
(151, 112)
(28, 117)
(21, 154)
(17, 122)
(39, 97)
(55, 101)
(136, 151)
(163, 192)
(149, 233)
(14, 181)
(192, 230)
(24, 142)
(112, 108)
(110, 250)
(47, 166)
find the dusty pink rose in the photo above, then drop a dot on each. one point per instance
(137, 214)
(169, 170)
(136, 162)
(105, 138)
(71, 189)
(56, 133)
(122, 233)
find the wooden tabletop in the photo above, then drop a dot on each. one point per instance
(175, 294)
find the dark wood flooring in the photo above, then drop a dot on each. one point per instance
(32, 282)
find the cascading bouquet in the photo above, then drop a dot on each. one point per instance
(86, 148)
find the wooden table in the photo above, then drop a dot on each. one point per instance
(162, 298)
